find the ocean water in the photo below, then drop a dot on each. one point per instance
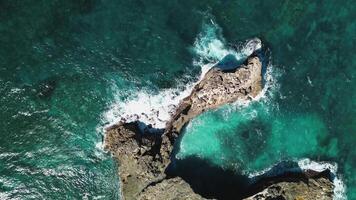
(70, 68)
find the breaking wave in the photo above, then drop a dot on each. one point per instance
(156, 109)
(304, 165)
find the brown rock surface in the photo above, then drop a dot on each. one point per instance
(217, 88)
(135, 152)
(305, 186)
(173, 188)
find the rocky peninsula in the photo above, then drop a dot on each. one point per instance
(144, 152)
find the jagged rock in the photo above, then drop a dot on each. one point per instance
(218, 87)
(173, 188)
(300, 186)
(136, 152)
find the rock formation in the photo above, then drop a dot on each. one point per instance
(136, 152)
(218, 87)
(143, 152)
(172, 188)
(306, 185)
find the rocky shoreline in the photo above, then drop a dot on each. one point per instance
(144, 153)
(301, 185)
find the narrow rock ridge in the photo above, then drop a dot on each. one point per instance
(218, 87)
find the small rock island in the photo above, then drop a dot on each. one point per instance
(144, 153)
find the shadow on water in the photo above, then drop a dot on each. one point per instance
(205, 178)
(208, 180)
(45, 88)
(230, 62)
(212, 181)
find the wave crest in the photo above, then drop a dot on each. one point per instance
(156, 109)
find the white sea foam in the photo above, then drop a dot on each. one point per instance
(27, 113)
(210, 46)
(307, 164)
(156, 109)
(339, 186)
(148, 108)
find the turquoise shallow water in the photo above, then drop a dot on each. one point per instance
(63, 64)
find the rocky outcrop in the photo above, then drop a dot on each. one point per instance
(143, 152)
(136, 152)
(172, 188)
(307, 185)
(218, 87)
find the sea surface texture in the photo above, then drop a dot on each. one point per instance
(70, 68)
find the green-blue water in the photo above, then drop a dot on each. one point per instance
(64, 64)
